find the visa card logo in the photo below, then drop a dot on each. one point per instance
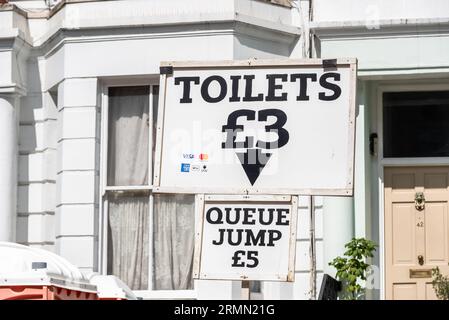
(188, 155)
(185, 167)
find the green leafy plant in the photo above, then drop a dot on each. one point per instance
(440, 284)
(353, 267)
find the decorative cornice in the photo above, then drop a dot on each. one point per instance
(228, 27)
(48, 13)
(389, 28)
(234, 24)
(149, 18)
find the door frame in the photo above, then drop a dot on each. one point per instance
(382, 162)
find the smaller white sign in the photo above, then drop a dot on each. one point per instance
(253, 239)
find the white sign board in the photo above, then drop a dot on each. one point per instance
(263, 126)
(246, 239)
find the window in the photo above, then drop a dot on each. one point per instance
(148, 239)
(415, 124)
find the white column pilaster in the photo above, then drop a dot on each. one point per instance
(338, 228)
(77, 172)
(9, 105)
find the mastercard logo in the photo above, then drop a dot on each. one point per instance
(204, 156)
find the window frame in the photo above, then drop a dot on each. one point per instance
(383, 113)
(150, 293)
(403, 86)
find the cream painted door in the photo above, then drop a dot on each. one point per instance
(416, 240)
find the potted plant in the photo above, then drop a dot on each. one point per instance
(440, 284)
(352, 268)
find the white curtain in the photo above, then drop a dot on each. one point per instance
(174, 233)
(128, 136)
(173, 222)
(128, 148)
(128, 239)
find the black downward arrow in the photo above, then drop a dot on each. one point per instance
(253, 161)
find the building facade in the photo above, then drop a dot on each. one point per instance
(79, 86)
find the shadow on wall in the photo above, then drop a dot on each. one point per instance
(36, 128)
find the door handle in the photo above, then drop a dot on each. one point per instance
(420, 260)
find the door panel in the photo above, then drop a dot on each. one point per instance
(416, 240)
(403, 182)
(435, 181)
(404, 291)
(403, 234)
(430, 293)
(436, 234)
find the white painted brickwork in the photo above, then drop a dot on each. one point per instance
(37, 171)
(77, 172)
